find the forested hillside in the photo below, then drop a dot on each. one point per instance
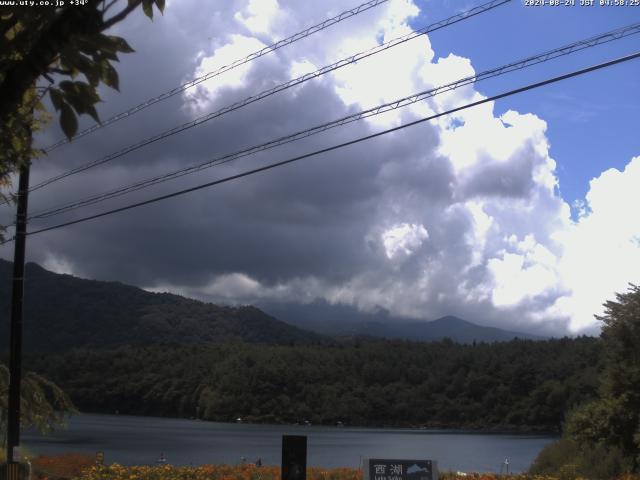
(63, 312)
(114, 347)
(513, 385)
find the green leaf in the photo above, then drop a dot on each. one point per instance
(120, 44)
(68, 121)
(147, 8)
(87, 45)
(93, 113)
(105, 54)
(93, 74)
(109, 75)
(80, 103)
(79, 94)
(72, 58)
(16, 143)
(56, 98)
(160, 5)
(80, 63)
(67, 86)
(104, 46)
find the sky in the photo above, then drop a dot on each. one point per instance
(517, 213)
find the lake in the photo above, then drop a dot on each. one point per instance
(131, 440)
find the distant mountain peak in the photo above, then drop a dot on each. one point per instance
(450, 319)
(341, 320)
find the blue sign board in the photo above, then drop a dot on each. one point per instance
(384, 469)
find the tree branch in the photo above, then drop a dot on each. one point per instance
(61, 71)
(121, 16)
(108, 6)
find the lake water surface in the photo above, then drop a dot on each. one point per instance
(131, 440)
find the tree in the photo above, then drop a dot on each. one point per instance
(43, 50)
(601, 438)
(609, 427)
(43, 403)
(621, 336)
(601, 422)
(56, 46)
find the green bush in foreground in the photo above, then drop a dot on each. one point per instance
(566, 460)
(602, 437)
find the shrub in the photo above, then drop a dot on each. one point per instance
(554, 457)
(567, 460)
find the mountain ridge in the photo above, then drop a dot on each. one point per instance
(346, 321)
(63, 312)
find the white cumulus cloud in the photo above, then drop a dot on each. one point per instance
(403, 239)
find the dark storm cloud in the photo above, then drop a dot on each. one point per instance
(302, 219)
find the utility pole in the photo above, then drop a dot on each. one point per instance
(15, 341)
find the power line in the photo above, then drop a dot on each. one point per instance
(278, 88)
(341, 145)
(403, 102)
(225, 68)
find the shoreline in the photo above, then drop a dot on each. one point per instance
(435, 427)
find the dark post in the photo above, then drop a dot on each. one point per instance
(15, 341)
(294, 457)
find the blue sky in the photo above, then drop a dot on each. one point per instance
(593, 119)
